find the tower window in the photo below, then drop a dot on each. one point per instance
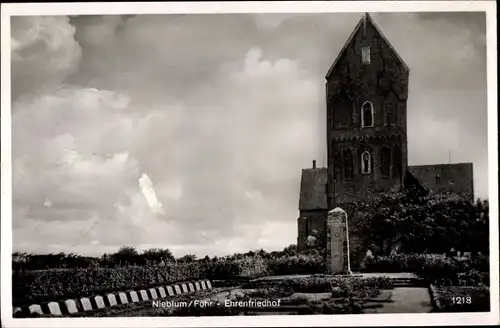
(367, 114)
(342, 111)
(365, 55)
(337, 166)
(397, 162)
(438, 179)
(348, 165)
(385, 162)
(366, 163)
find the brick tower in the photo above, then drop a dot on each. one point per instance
(366, 93)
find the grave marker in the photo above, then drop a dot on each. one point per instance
(337, 242)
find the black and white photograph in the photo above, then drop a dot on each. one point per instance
(162, 162)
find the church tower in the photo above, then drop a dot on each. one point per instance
(366, 94)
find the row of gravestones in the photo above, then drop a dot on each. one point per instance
(69, 307)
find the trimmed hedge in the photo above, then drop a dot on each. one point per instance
(435, 269)
(39, 286)
(321, 284)
(250, 267)
(296, 264)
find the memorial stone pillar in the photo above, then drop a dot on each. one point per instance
(337, 243)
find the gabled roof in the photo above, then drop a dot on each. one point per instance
(356, 29)
(443, 178)
(313, 189)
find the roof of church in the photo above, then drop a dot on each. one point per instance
(455, 178)
(369, 19)
(313, 189)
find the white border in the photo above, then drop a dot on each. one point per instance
(249, 7)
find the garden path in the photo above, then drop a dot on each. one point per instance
(404, 300)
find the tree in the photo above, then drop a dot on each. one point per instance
(157, 255)
(290, 249)
(126, 255)
(187, 258)
(398, 220)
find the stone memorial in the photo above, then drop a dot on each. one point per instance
(203, 286)
(191, 287)
(99, 301)
(177, 290)
(71, 306)
(152, 291)
(35, 308)
(133, 297)
(337, 242)
(112, 299)
(209, 285)
(170, 291)
(161, 290)
(184, 288)
(86, 305)
(123, 298)
(144, 295)
(197, 286)
(54, 308)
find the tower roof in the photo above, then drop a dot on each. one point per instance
(313, 189)
(363, 23)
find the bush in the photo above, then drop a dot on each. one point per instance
(43, 285)
(435, 269)
(296, 264)
(39, 286)
(321, 284)
(247, 267)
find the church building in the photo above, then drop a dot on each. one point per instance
(367, 149)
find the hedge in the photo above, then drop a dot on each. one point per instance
(43, 285)
(296, 264)
(321, 283)
(435, 269)
(38, 286)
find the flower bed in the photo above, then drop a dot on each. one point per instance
(321, 283)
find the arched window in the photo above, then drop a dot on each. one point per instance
(385, 159)
(367, 114)
(342, 116)
(387, 119)
(348, 165)
(396, 162)
(337, 166)
(366, 163)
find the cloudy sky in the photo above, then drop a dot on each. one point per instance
(190, 131)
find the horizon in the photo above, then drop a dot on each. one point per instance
(129, 163)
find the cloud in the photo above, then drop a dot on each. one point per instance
(220, 114)
(44, 52)
(149, 193)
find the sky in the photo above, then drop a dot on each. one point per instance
(189, 132)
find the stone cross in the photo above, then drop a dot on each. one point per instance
(337, 242)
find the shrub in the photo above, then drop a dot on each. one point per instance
(296, 264)
(435, 269)
(249, 267)
(321, 284)
(43, 285)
